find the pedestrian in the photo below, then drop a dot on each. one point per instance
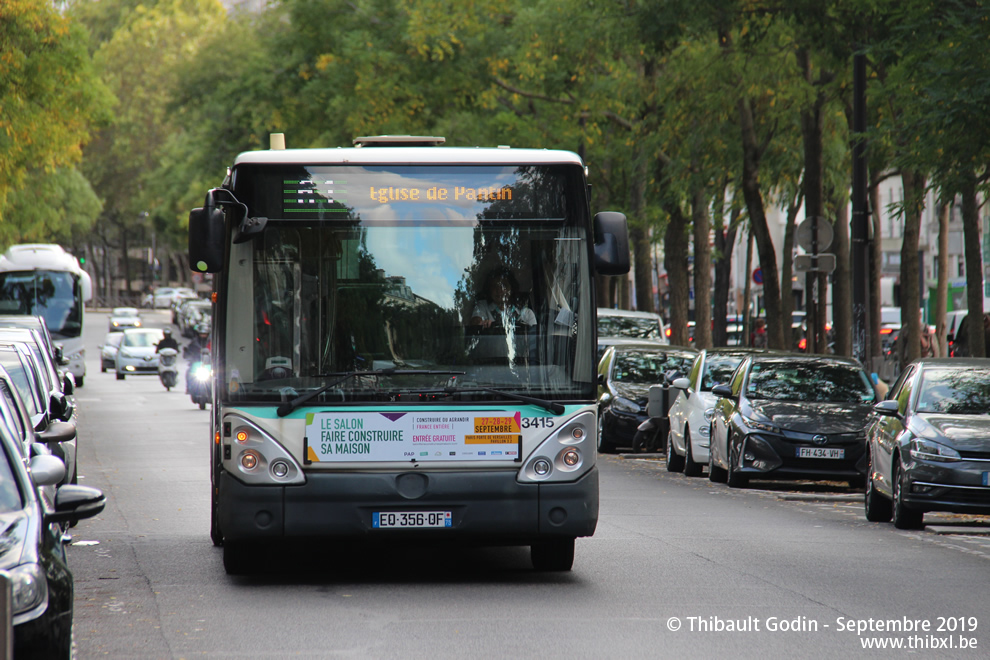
(758, 338)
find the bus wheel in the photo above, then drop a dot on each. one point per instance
(555, 555)
(237, 558)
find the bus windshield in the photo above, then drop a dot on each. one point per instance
(54, 295)
(479, 273)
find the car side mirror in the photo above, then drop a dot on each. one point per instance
(681, 384)
(68, 384)
(57, 432)
(60, 358)
(47, 470)
(611, 243)
(887, 408)
(74, 503)
(723, 391)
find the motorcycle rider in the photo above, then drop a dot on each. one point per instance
(167, 341)
(194, 351)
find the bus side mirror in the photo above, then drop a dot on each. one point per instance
(611, 244)
(206, 239)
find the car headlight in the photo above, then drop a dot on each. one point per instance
(29, 588)
(709, 415)
(625, 405)
(760, 426)
(928, 450)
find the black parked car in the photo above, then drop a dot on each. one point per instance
(929, 443)
(791, 416)
(625, 374)
(32, 552)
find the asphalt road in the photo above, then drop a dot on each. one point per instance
(679, 567)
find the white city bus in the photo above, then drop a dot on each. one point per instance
(45, 280)
(358, 394)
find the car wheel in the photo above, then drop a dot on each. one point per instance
(675, 462)
(604, 446)
(904, 518)
(215, 534)
(79, 381)
(691, 469)
(120, 376)
(103, 368)
(715, 473)
(733, 478)
(555, 555)
(878, 508)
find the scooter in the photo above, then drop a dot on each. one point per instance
(168, 367)
(200, 381)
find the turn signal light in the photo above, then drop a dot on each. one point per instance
(242, 436)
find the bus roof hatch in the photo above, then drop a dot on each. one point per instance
(398, 141)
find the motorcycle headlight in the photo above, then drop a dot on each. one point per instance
(625, 405)
(928, 450)
(29, 588)
(202, 373)
(760, 426)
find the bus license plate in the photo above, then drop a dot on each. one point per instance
(410, 519)
(821, 452)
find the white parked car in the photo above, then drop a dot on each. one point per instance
(108, 351)
(136, 354)
(691, 411)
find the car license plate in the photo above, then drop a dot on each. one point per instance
(410, 519)
(821, 452)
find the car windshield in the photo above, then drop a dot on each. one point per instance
(124, 311)
(10, 495)
(718, 370)
(141, 339)
(628, 326)
(955, 391)
(815, 381)
(647, 367)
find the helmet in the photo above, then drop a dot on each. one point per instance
(167, 333)
(202, 329)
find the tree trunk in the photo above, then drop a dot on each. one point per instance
(974, 268)
(761, 231)
(812, 122)
(725, 239)
(786, 270)
(639, 236)
(676, 263)
(842, 299)
(876, 268)
(942, 288)
(702, 270)
(914, 191)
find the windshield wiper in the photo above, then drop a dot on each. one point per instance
(289, 406)
(552, 406)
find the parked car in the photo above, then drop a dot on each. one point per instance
(52, 415)
(625, 323)
(122, 318)
(34, 323)
(625, 374)
(108, 351)
(136, 354)
(929, 443)
(693, 406)
(33, 551)
(791, 416)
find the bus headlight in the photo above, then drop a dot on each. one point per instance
(258, 459)
(565, 455)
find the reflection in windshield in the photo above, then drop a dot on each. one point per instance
(319, 300)
(624, 326)
(647, 367)
(718, 370)
(955, 391)
(812, 381)
(55, 295)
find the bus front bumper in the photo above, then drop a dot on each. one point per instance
(490, 507)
